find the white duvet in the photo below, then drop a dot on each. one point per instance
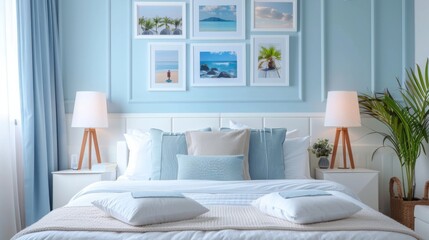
(214, 192)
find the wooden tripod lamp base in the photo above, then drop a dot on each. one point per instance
(346, 144)
(90, 134)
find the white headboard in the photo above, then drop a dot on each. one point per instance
(308, 124)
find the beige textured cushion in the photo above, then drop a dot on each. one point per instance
(221, 143)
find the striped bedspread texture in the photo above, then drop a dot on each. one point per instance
(228, 202)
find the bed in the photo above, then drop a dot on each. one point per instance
(233, 212)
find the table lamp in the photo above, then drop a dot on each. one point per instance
(342, 112)
(90, 112)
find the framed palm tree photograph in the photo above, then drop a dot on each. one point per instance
(218, 19)
(160, 20)
(270, 61)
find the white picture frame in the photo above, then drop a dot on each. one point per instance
(167, 67)
(274, 15)
(269, 60)
(159, 13)
(218, 64)
(218, 19)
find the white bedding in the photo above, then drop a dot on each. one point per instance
(214, 192)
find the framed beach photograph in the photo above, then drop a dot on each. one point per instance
(218, 64)
(167, 67)
(270, 61)
(218, 19)
(160, 20)
(274, 15)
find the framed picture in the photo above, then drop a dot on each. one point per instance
(160, 20)
(218, 19)
(218, 64)
(274, 15)
(270, 61)
(167, 67)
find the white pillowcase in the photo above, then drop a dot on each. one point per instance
(306, 209)
(139, 162)
(297, 160)
(149, 210)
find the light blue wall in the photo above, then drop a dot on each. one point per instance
(360, 45)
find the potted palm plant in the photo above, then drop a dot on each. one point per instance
(408, 128)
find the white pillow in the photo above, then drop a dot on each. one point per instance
(150, 210)
(305, 208)
(236, 125)
(297, 161)
(139, 162)
(221, 143)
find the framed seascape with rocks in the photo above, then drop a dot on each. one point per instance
(218, 64)
(166, 20)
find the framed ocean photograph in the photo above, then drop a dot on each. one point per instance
(167, 67)
(269, 61)
(160, 20)
(218, 64)
(274, 15)
(218, 19)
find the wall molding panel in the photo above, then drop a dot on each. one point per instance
(119, 65)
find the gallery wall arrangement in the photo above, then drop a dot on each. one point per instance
(220, 64)
(231, 55)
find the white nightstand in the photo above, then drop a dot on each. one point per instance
(69, 182)
(363, 182)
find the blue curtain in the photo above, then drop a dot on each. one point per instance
(42, 103)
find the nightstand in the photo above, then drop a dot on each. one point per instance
(69, 182)
(363, 182)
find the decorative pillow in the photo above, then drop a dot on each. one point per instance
(305, 206)
(165, 147)
(297, 162)
(150, 208)
(223, 168)
(139, 161)
(266, 158)
(221, 143)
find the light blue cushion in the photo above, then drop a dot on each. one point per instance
(223, 168)
(165, 147)
(266, 156)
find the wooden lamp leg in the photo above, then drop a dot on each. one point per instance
(334, 153)
(82, 148)
(90, 134)
(346, 148)
(349, 148)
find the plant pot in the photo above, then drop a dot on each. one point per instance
(402, 210)
(323, 162)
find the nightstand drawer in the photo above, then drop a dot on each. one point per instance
(363, 182)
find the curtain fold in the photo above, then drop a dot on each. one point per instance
(42, 103)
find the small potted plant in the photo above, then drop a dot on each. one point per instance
(322, 149)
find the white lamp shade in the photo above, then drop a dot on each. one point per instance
(90, 110)
(342, 109)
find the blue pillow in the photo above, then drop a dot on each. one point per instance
(165, 147)
(266, 159)
(223, 168)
